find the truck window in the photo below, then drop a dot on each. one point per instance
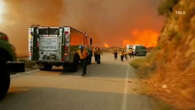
(140, 48)
(49, 31)
(43, 31)
(53, 31)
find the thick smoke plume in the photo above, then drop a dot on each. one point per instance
(108, 21)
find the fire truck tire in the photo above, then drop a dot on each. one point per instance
(76, 62)
(74, 67)
(70, 67)
(46, 67)
(4, 77)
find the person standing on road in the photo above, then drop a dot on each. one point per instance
(130, 52)
(83, 54)
(122, 55)
(90, 54)
(115, 54)
(97, 54)
(125, 55)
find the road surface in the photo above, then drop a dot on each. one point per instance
(111, 85)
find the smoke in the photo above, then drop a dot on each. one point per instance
(107, 21)
(19, 15)
(112, 21)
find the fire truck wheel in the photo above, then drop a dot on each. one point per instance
(4, 78)
(46, 67)
(49, 67)
(70, 67)
(76, 62)
(74, 67)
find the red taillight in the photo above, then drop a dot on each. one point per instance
(65, 49)
(4, 38)
(66, 32)
(62, 58)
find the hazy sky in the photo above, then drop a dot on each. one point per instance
(109, 21)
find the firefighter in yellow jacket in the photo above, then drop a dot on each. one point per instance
(97, 55)
(83, 54)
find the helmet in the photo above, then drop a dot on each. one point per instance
(81, 47)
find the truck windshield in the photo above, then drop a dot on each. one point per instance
(140, 48)
(49, 31)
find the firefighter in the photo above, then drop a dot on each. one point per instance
(83, 54)
(130, 52)
(125, 55)
(115, 54)
(97, 54)
(122, 55)
(90, 54)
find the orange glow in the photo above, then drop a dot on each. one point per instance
(2, 10)
(106, 45)
(148, 38)
(126, 42)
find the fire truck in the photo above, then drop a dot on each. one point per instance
(56, 46)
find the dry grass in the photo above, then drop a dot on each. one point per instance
(174, 78)
(173, 61)
(143, 67)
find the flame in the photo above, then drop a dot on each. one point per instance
(148, 38)
(106, 45)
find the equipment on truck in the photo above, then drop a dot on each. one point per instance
(8, 64)
(56, 46)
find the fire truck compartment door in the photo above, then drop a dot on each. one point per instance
(49, 48)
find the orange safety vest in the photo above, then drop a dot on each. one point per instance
(83, 55)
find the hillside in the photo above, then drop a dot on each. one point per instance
(173, 61)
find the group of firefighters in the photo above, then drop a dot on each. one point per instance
(87, 54)
(86, 57)
(124, 54)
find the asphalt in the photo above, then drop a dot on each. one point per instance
(111, 85)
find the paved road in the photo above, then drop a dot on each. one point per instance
(111, 85)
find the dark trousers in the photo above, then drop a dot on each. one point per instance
(122, 57)
(84, 66)
(97, 59)
(115, 55)
(89, 60)
(126, 57)
(130, 55)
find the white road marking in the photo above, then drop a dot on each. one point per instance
(124, 101)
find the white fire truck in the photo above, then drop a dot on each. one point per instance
(57, 46)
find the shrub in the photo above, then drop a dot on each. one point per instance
(166, 7)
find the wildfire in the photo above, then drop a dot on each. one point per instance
(148, 38)
(106, 45)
